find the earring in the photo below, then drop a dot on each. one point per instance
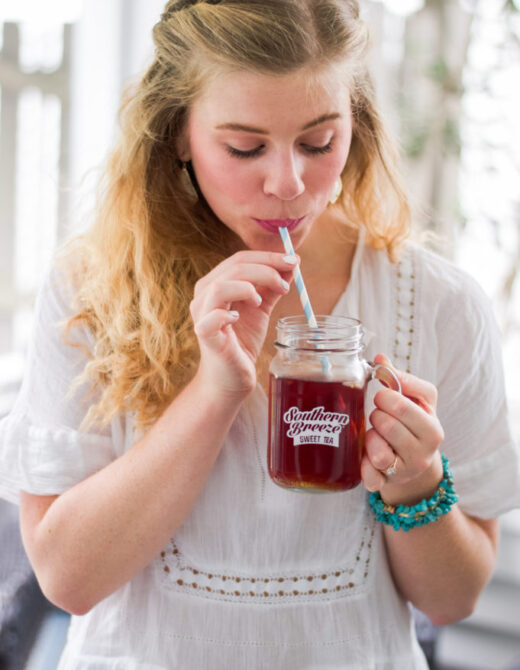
(187, 180)
(336, 191)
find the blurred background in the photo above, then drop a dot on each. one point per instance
(448, 73)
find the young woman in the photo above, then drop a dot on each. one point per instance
(138, 441)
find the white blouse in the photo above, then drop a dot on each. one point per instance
(257, 576)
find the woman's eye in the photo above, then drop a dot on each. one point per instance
(250, 153)
(318, 150)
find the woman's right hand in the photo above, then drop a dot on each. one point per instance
(231, 309)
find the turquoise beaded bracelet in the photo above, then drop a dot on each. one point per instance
(425, 512)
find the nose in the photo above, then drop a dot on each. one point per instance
(283, 177)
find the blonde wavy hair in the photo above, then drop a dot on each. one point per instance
(135, 268)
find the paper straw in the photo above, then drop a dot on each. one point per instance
(302, 292)
(300, 285)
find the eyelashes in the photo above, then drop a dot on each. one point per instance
(252, 153)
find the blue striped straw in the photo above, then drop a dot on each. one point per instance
(300, 285)
(302, 292)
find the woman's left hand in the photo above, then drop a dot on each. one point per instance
(405, 434)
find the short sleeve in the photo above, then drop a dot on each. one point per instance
(42, 450)
(472, 405)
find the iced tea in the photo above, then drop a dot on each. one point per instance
(316, 435)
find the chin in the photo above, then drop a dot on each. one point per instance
(299, 235)
(271, 243)
(261, 242)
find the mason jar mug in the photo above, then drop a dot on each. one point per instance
(317, 388)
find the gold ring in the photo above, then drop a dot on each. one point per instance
(391, 469)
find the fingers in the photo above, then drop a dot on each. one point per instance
(409, 431)
(377, 458)
(211, 324)
(403, 420)
(224, 292)
(420, 391)
(239, 281)
(211, 328)
(250, 266)
(255, 273)
(405, 432)
(230, 311)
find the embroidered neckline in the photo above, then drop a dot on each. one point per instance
(405, 311)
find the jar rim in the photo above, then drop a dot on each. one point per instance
(330, 321)
(332, 333)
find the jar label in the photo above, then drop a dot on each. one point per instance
(315, 426)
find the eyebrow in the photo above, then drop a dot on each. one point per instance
(259, 131)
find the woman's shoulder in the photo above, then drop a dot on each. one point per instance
(440, 269)
(420, 270)
(56, 289)
(429, 296)
(446, 289)
(58, 302)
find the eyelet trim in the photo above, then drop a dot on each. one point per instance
(406, 292)
(340, 582)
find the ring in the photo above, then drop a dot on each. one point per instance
(391, 469)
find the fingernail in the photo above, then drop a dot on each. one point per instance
(387, 360)
(233, 314)
(258, 299)
(290, 260)
(285, 285)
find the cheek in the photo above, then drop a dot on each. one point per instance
(325, 172)
(342, 156)
(322, 176)
(222, 178)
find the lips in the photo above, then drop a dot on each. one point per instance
(273, 225)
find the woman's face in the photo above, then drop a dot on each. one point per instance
(267, 150)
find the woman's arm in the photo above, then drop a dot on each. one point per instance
(89, 541)
(441, 567)
(96, 536)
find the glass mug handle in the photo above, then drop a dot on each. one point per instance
(385, 375)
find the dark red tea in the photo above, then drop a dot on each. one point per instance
(316, 434)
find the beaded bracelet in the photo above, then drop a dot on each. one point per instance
(425, 512)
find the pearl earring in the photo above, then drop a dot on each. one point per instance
(336, 191)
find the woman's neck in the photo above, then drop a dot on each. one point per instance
(329, 248)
